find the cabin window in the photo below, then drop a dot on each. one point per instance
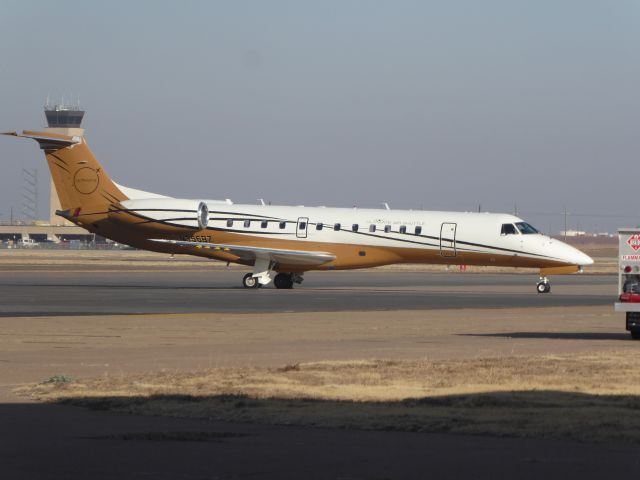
(354, 227)
(264, 224)
(247, 223)
(319, 226)
(229, 223)
(387, 228)
(508, 229)
(302, 226)
(283, 225)
(526, 229)
(403, 229)
(418, 230)
(372, 228)
(337, 227)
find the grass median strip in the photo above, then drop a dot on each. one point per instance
(585, 397)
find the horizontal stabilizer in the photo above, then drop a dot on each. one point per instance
(47, 141)
(287, 257)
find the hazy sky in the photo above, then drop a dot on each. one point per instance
(434, 105)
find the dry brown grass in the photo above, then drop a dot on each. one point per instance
(586, 397)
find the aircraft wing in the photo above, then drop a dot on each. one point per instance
(287, 257)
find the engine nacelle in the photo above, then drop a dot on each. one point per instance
(163, 214)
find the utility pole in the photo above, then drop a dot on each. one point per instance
(565, 223)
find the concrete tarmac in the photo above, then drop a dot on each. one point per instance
(59, 322)
(90, 293)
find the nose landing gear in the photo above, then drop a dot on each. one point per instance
(249, 281)
(543, 285)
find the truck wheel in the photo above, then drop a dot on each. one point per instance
(635, 333)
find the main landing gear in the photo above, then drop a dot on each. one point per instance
(543, 285)
(283, 280)
(264, 275)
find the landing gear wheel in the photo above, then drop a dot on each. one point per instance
(635, 333)
(543, 287)
(249, 281)
(283, 280)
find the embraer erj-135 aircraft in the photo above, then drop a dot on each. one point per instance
(283, 242)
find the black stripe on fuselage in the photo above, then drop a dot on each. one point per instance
(257, 232)
(439, 239)
(250, 217)
(168, 221)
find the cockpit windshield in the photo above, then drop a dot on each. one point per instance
(525, 228)
(508, 229)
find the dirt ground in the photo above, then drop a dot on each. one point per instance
(390, 357)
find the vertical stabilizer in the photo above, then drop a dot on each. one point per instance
(79, 179)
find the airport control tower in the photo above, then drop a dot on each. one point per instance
(66, 120)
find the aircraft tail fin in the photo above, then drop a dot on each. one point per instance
(80, 180)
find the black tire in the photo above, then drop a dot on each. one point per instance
(635, 333)
(249, 281)
(543, 287)
(283, 280)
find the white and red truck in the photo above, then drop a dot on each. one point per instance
(629, 278)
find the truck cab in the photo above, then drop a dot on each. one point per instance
(27, 243)
(629, 279)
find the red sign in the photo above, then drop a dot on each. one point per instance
(634, 241)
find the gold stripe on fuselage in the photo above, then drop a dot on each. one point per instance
(138, 231)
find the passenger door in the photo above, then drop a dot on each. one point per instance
(448, 240)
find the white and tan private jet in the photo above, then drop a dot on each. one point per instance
(280, 243)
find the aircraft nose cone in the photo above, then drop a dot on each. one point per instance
(576, 257)
(584, 259)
